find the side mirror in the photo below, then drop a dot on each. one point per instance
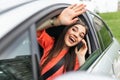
(84, 76)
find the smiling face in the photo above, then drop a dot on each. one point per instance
(74, 35)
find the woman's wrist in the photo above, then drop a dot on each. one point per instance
(55, 21)
(81, 59)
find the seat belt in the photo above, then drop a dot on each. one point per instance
(54, 68)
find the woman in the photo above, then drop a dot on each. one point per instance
(66, 45)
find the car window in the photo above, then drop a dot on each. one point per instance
(103, 33)
(104, 39)
(15, 60)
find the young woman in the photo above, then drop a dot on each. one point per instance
(66, 45)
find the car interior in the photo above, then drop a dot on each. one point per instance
(16, 68)
(55, 32)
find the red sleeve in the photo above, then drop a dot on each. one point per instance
(44, 39)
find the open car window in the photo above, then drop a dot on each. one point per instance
(56, 31)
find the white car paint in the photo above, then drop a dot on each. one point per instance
(84, 76)
(9, 20)
(24, 12)
(107, 56)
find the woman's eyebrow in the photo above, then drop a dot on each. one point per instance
(83, 33)
(76, 26)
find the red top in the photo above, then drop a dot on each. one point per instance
(47, 42)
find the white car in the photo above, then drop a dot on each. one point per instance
(19, 50)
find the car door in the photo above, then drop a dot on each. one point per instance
(19, 52)
(18, 55)
(107, 44)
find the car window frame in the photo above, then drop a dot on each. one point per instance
(15, 33)
(105, 25)
(8, 39)
(94, 44)
(98, 51)
(91, 33)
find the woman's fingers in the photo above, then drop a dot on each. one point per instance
(84, 44)
(80, 10)
(79, 7)
(68, 15)
(72, 6)
(74, 20)
(83, 49)
(76, 50)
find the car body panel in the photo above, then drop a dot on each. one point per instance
(16, 21)
(6, 5)
(106, 59)
(23, 13)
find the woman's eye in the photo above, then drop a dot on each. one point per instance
(82, 36)
(74, 29)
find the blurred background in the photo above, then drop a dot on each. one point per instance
(109, 10)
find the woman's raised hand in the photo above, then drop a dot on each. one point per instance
(69, 15)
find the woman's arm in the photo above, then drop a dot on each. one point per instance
(49, 23)
(67, 17)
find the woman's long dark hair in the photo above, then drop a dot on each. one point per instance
(70, 58)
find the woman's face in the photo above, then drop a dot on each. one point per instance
(74, 35)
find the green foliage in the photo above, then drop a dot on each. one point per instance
(113, 21)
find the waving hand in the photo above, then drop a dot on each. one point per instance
(69, 15)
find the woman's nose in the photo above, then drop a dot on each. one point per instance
(76, 35)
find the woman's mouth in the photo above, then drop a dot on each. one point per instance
(71, 39)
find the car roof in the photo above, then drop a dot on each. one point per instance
(16, 12)
(6, 5)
